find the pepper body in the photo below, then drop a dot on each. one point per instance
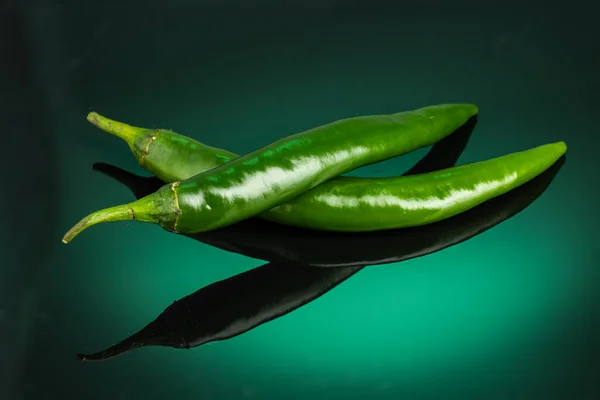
(387, 203)
(172, 157)
(256, 182)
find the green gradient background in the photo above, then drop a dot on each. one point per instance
(510, 314)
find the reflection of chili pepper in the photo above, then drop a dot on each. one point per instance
(258, 181)
(209, 314)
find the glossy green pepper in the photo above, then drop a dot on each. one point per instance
(256, 182)
(173, 157)
(360, 204)
(408, 201)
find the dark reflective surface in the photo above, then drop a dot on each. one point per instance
(513, 313)
(235, 305)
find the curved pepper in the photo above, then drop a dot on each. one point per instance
(258, 181)
(173, 157)
(368, 204)
(399, 202)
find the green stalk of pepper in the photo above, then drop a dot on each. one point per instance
(258, 181)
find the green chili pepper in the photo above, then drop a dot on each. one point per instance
(389, 203)
(172, 157)
(258, 181)
(368, 204)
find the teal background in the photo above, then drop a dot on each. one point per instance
(510, 314)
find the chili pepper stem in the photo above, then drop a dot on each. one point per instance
(117, 213)
(121, 130)
(160, 207)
